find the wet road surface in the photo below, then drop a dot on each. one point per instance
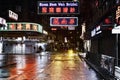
(48, 66)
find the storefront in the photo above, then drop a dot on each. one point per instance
(2, 24)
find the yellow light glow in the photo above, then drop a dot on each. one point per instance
(58, 57)
(70, 52)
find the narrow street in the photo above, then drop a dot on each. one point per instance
(37, 38)
(49, 66)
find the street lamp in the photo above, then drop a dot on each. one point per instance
(116, 30)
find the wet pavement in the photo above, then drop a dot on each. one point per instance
(47, 66)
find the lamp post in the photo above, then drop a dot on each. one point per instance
(117, 49)
(116, 30)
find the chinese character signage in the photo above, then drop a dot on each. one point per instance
(58, 7)
(20, 26)
(63, 21)
(23, 26)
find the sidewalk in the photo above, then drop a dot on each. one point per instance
(5, 61)
(102, 72)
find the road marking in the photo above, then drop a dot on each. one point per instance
(41, 70)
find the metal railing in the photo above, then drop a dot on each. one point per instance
(108, 63)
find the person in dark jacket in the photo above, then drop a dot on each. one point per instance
(40, 48)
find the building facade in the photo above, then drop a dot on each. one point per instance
(99, 31)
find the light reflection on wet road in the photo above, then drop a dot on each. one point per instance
(56, 66)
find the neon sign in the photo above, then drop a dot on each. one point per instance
(58, 7)
(63, 21)
(22, 26)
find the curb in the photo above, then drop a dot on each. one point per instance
(96, 69)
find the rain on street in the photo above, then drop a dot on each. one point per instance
(49, 66)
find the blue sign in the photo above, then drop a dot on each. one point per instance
(58, 7)
(63, 21)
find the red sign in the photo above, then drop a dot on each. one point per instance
(53, 29)
(58, 7)
(64, 21)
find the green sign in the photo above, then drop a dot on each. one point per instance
(22, 26)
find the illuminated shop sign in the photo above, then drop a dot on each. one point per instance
(96, 31)
(58, 7)
(74, 0)
(116, 30)
(71, 28)
(93, 32)
(45, 32)
(3, 21)
(63, 21)
(23, 26)
(13, 15)
(53, 29)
